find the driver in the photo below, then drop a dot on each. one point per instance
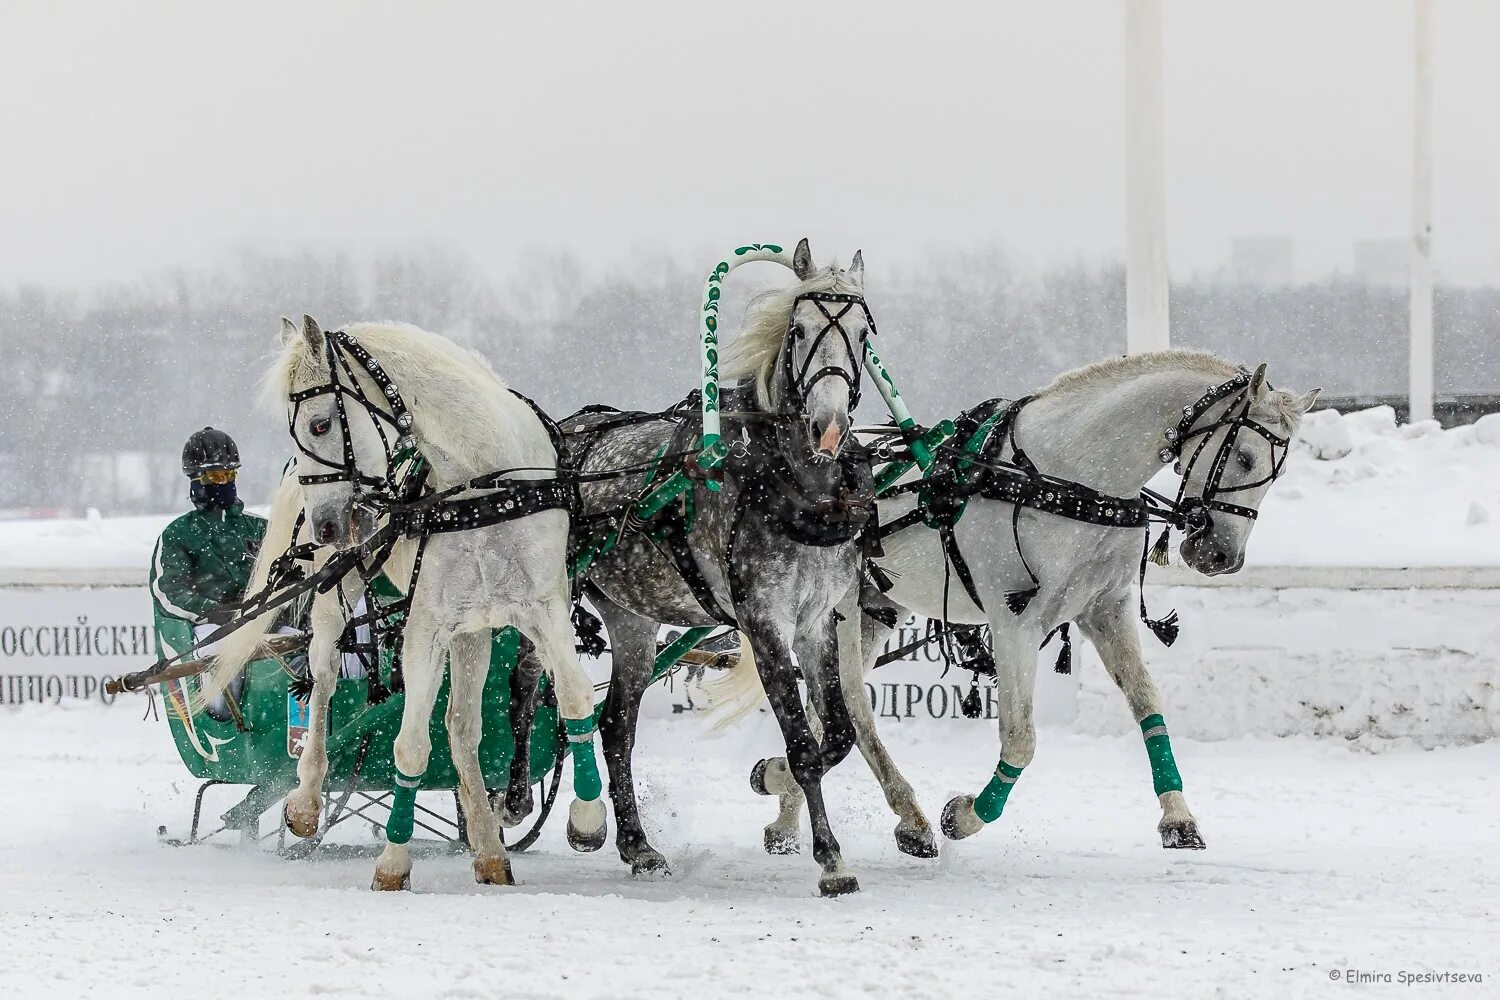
(203, 559)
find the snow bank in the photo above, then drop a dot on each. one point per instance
(1383, 668)
(1361, 490)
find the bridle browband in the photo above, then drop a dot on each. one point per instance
(799, 383)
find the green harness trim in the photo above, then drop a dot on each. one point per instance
(991, 802)
(398, 827)
(971, 450)
(586, 783)
(921, 449)
(1159, 749)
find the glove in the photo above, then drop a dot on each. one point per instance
(220, 614)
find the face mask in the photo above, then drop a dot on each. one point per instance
(221, 495)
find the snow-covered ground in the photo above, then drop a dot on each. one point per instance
(1320, 861)
(1323, 860)
(1359, 490)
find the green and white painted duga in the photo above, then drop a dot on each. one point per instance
(711, 447)
(712, 450)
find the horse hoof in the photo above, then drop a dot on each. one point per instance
(758, 777)
(384, 882)
(778, 842)
(837, 885)
(959, 819)
(493, 870)
(299, 823)
(510, 819)
(588, 825)
(918, 843)
(1183, 836)
(650, 866)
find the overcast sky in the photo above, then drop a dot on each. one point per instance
(143, 136)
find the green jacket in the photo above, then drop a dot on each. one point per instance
(204, 559)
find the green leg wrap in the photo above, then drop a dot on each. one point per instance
(1159, 748)
(991, 802)
(586, 783)
(403, 808)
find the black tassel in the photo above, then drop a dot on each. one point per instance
(1159, 554)
(1065, 655)
(588, 630)
(971, 706)
(1017, 600)
(300, 687)
(1165, 628)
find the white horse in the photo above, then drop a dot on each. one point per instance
(466, 423)
(1109, 426)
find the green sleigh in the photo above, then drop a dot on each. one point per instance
(261, 747)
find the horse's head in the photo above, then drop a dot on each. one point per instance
(805, 348)
(1228, 465)
(344, 449)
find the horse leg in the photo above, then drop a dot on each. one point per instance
(1112, 630)
(551, 629)
(914, 834)
(1015, 682)
(633, 640)
(773, 776)
(422, 658)
(859, 646)
(773, 661)
(305, 802)
(525, 692)
(468, 665)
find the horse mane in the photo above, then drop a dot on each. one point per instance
(1278, 404)
(1112, 370)
(754, 350)
(480, 417)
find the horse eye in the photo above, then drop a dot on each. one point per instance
(796, 331)
(1246, 460)
(320, 426)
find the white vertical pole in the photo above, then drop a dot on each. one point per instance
(1420, 361)
(1146, 312)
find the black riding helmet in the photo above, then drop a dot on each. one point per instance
(207, 450)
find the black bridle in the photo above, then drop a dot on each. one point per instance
(799, 383)
(1194, 514)
(399, 446)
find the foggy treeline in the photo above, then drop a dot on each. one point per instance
(101, 387)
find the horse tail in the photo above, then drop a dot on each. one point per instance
(738, 693)
(241, 646)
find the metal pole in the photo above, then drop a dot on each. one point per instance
(1146, 310)
(1420, 355)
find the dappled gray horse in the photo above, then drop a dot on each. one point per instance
(771, 552)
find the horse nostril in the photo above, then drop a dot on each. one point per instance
(327, 532)
(1218, 557)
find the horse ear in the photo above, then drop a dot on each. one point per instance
(1258, 382)
(1304, 402)
(289, 331)
(857, 268)
(312, 334)
(802, 265)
